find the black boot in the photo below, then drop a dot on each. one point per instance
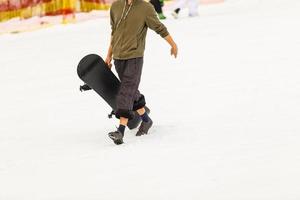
(144, 127)
(116, 136)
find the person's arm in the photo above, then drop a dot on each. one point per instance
(109, 52)
(109, 55)
(154, 23)
(174, 49)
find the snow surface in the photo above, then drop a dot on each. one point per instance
(226, 112)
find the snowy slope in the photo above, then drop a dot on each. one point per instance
(226, 112)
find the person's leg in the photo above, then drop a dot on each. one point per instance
(130, 76)
(117, 136)
(123, 121)
(144, 115)
(157, 5)
(140, 102)
(158, 8)
(133, 72)
(123, 124)
(146, 122)
(129, 72)
(141, 111)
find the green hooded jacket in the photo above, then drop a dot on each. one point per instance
(129, 33)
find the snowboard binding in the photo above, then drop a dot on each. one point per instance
(111, 114)
(84, 87)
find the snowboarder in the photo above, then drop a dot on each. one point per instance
(130, 20)
(192, 6)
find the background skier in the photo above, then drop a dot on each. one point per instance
(158, 4)
(192, 6)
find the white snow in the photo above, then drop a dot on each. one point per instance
(226, 112)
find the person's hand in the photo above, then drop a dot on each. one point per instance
(108, 61)
(173, 45)
(174, 50)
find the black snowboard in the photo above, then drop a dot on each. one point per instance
(94, 72)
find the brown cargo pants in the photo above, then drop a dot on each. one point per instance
(129, 72)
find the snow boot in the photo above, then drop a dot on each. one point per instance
(144, 127)
(116, 136)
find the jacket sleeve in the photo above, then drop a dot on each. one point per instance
(154, 23)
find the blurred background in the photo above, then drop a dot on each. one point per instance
(25, 15)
